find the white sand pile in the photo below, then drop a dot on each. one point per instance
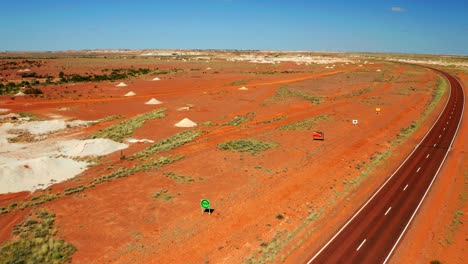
(156, 79)
(37, 173)
(186, 123)
(121, 84)
(10, 115)
(42, 127)
(378, 70)
(35, 165)
(134, 140)
(208, 68)
(89, 147)
(243, 88)
(4, 110)
(153, 102)
(130, 94)
(20, 94)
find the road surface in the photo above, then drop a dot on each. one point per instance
(372, 234)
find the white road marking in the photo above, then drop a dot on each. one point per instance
(404, 189)
(444, 129)
(447, 123)
(440, 136)
(435, 145)
(390, 208)
(362, 243)
(427, 156)
(418, 169)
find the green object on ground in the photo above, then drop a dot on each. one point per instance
(205, 204)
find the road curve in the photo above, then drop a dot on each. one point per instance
(373, 232)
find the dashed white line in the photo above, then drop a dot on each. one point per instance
(435, 145)
(444, 129)
(427, 156)
(388, 210)
(440, 136)
(362, 243)
(447, 123)
(404, 189)
(418, 169)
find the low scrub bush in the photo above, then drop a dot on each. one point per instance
(306, 124)
(120, 131)
(36, 242)
(247, 145)
(169, 143)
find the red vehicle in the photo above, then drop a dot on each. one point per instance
(318, 135)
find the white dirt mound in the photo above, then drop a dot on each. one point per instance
(121, 84)
(134, 140)
(37, 173)
(243, 88)
(153, 102)
(41, 127)
(156, 79)
(4, 110)
(186, 123)
(130, 94)
(10, 115)
(20, 94)
(37, 165)
(89, 147)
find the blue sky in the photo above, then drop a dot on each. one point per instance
(411, 26)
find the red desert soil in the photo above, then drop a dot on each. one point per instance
(261, 202)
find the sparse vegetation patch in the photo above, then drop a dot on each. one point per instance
(306, 124)
(169, 143)
(35, 242)
(121, 130)
(247, 145)
(162, 195)
(240, 119)
(178, 177)
(283, 93)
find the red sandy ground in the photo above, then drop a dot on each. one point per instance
(119, 222)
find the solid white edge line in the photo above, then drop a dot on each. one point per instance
(383, 185)
(362, 243)
(388, 210)
(435, 176)
(405, 187)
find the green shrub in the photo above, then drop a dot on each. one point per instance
(306, 124)
(169, 143)
(240, 119)
(178, 178)
(246, 145)
(36, 243)
(121, 130)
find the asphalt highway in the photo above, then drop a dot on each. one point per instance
(373, 232)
